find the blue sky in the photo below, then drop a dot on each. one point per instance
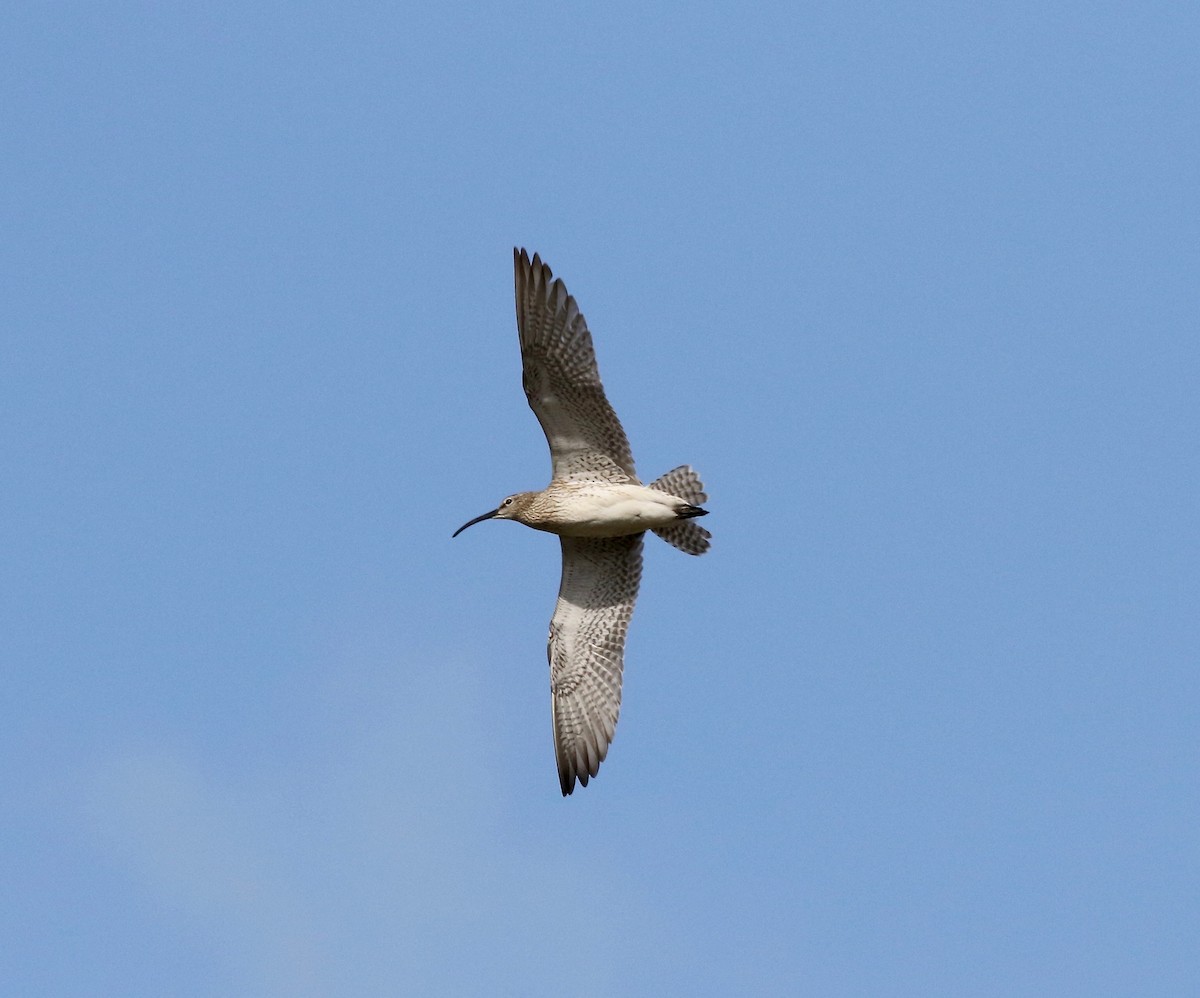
(914, 287)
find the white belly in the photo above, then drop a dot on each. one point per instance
(614, 511)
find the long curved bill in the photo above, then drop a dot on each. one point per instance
(478, 519)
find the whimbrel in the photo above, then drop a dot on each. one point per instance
(599, 509)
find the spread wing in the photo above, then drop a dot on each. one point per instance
(586, 649)
(562, 382)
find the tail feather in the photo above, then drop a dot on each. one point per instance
(683, 482)
(687, 534)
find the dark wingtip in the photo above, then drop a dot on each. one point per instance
(567, 775)
(534, 265)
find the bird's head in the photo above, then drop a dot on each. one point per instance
(510, 508)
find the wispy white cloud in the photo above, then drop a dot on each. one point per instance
(395, 862)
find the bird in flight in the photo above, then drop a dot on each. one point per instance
(600, 510)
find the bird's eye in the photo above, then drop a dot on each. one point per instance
(508, 501)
